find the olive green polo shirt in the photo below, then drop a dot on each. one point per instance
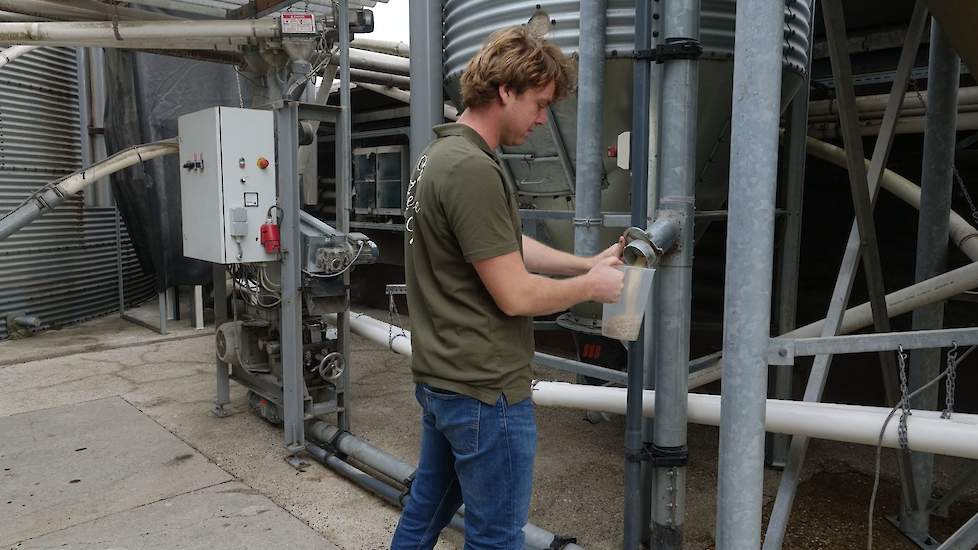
(460, 211)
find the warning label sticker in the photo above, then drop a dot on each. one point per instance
(298, 23)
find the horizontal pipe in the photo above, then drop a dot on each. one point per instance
(365, 59)
(877, 103)
(957, 436)
(363, 452)
(381, 78)
(136, 34)
(451, 113)
(391, 47)
(13, 52)
(909, 125)
(390, 466)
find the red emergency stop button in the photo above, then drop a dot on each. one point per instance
(262, 163)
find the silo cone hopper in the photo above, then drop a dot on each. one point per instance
(536, 169)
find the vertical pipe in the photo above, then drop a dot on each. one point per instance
(936, 184)
(344, 184)
(85, 113)
(590, 110)
(427, 107)
(590, 171)
(677, 184)
(747, 293)
(789, 261)
(287, 125)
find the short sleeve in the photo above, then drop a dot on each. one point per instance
(478, 210)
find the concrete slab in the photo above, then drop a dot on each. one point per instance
(76, 463)
(229, 516)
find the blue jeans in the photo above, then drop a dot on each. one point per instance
(474, 453)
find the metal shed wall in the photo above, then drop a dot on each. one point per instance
(62, 267)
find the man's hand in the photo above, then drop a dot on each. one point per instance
(605, 281)
(613, 251)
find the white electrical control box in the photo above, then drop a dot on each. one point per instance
(227, 183)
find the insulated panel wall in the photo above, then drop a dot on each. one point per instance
(62, 267)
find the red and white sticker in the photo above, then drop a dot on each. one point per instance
(298, 23)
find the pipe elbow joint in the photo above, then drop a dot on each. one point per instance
(647, 247)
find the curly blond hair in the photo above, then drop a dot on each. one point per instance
(519, 60)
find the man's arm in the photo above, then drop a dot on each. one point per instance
(520, 293)
(540, 258)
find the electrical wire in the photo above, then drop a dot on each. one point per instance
(879, 442)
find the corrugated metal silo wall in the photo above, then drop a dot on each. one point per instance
(61, 268)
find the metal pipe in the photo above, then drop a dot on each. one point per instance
(936, 185)
(382, 78)
(392, 47)
(344, 189)
(380, 62)
(677, 135)
(874, 105)
(363, 452)
(134, 34)
(965, 537)
(789, 258)
(427, 109)
(588, 193)
(53, 194)
(836, 422)
(747, 294)
(389, 494)
(390, 466)
(590, 109)
(13, 52)
(448, 111)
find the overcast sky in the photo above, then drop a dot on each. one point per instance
(390, 21)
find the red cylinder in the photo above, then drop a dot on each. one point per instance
(270, 238)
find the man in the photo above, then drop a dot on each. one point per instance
(472, 295)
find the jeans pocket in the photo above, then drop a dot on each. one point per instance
(457, 418)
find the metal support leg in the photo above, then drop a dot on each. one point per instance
(293, 391)
(965, 538)
(943, 507)
(936, 185)
(747, 293)
(588, 206)
(223, 394)
(197, 307)
(788, 488)
(344, 183)
(789, 260)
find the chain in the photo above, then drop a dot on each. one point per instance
(954, 166)
(394, 318)
(904, 402)
(952, 363)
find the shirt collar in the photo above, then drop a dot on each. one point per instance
(458, 129)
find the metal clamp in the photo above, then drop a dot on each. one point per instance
(588, 222)
(659, 457)
(671, 49)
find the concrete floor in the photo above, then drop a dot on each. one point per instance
(145, 400)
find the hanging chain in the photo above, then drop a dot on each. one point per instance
(954, 166)
(952, 363)
(394, 318)
(904, 402)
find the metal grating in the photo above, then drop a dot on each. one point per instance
(62, 267)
